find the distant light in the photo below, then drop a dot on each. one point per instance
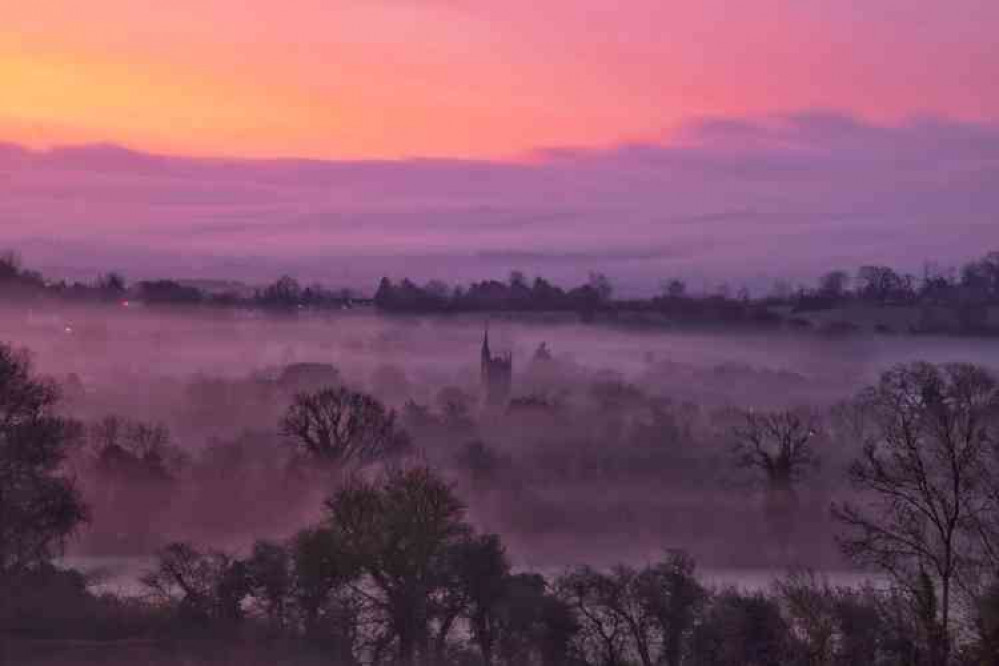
(125, 304)
(69, 329)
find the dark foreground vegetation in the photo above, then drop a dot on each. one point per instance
(951, 301)
(393, 570)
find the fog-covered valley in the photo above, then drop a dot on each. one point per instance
(616, 446)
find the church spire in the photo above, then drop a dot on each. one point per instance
(497, 372)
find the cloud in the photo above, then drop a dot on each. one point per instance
(725, 199)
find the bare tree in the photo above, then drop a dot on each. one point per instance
(338, 425)
(629, 615)
(603, 631)
(137, 437)
(205, 586)
(621, 594)
(780, 445)
(882, 284)
(923, 481)
(133, 450)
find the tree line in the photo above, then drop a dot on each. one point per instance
(974, 284)
(968, 292)
(284, 294)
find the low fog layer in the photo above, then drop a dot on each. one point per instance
(621, 444)
(790, 196)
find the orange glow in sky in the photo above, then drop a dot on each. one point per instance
(470, 78)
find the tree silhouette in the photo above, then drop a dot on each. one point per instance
(674, 288)
(882, 284)
(337, 426)
(672, 598)
(780, 445)
(603, 631)
(112, 285)
(401, 531)
(924, 480)
(742, 629)
(10, 265)
(39, 506)
(286, 292)
(324, 569)
(482, 571)
(601, 284)
(629, 615)
(169, 292)
(206, 586)
(981, 278)
(271, 578)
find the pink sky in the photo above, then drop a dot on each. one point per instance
(472, 78)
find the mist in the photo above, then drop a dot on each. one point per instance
(635, 420)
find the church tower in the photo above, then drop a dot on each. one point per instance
(486, 356)
(497, 373)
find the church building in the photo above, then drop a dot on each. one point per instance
(497, 374)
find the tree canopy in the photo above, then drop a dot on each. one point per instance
(39, 506)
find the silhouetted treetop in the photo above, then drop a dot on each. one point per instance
(926, 478)
(169, 292)
(338, 425)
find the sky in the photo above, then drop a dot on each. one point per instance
(354, 79)
(343, 139)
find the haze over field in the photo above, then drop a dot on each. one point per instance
(209, 377)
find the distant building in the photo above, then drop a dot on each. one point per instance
(497, 374)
